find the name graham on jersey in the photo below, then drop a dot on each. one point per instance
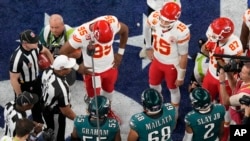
(158, 123)
(95, 132)
(208, 119)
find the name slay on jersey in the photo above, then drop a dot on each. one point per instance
(158, 123)
(208, 118)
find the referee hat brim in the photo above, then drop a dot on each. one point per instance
(27, 98)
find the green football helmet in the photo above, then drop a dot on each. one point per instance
(151, 100)
(200, 99)
(102, 106)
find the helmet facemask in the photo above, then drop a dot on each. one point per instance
(165, 23)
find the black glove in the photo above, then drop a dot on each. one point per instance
(48, 134)
(90, 49)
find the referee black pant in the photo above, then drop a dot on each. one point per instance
(35, 87)
(57, 122)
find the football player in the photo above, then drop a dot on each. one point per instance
(154, 5)
(205, 121)
(169, 51)
(156, 122)
(221, 40)
(96, 125)
(96, 38)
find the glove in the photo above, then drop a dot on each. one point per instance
(218, 50)
(90, 49)
(48, 134)
(210, 46)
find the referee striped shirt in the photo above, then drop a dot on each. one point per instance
(11, 115)
(26, 63)
(55, 91)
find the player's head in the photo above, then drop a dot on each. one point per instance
(102, 31)
(200, 100)
(220, 29)
(102, 107)
(170, 13)
(152, 101)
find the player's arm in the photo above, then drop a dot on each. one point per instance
(132, 135)
(123, 32)
(47, 53)
(118, 136)
(244, 35)
(204, 49)
(67, 49)
(15, 83)
(221, 132)
(188, 133)
(74, 136)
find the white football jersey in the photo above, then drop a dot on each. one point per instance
(168, 45)
(232, 47)
(104, 54)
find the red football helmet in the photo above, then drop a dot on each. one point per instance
(102, 31)
(170, 12)
(221, 28)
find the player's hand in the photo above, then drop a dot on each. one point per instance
(117, 60)
(150, 53)
(218, 50)
(85, 70)
(179, 82)
(210, 46)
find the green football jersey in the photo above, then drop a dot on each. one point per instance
(206, 127)
(159, 128)
(87, 132)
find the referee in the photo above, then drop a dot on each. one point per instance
(24, 70)
(56, 95)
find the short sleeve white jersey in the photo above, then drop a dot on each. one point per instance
(104, 54)
(232, 47)
(168, 45)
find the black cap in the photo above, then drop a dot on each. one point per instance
(26, 98)
(29, 36)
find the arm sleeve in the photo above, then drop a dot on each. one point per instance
(147, 35)
(187, 136)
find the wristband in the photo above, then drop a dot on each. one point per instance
(76, 67)
(121, 51)
(181, 74)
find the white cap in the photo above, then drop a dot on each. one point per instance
(63, 62)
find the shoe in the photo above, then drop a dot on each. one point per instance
(143, 53)
(111, 114)
(87, 99)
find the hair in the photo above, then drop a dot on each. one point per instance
(23, 127)
(56, 17)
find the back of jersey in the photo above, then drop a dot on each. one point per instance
(86, 130)
(206, 127)
(159, 128)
